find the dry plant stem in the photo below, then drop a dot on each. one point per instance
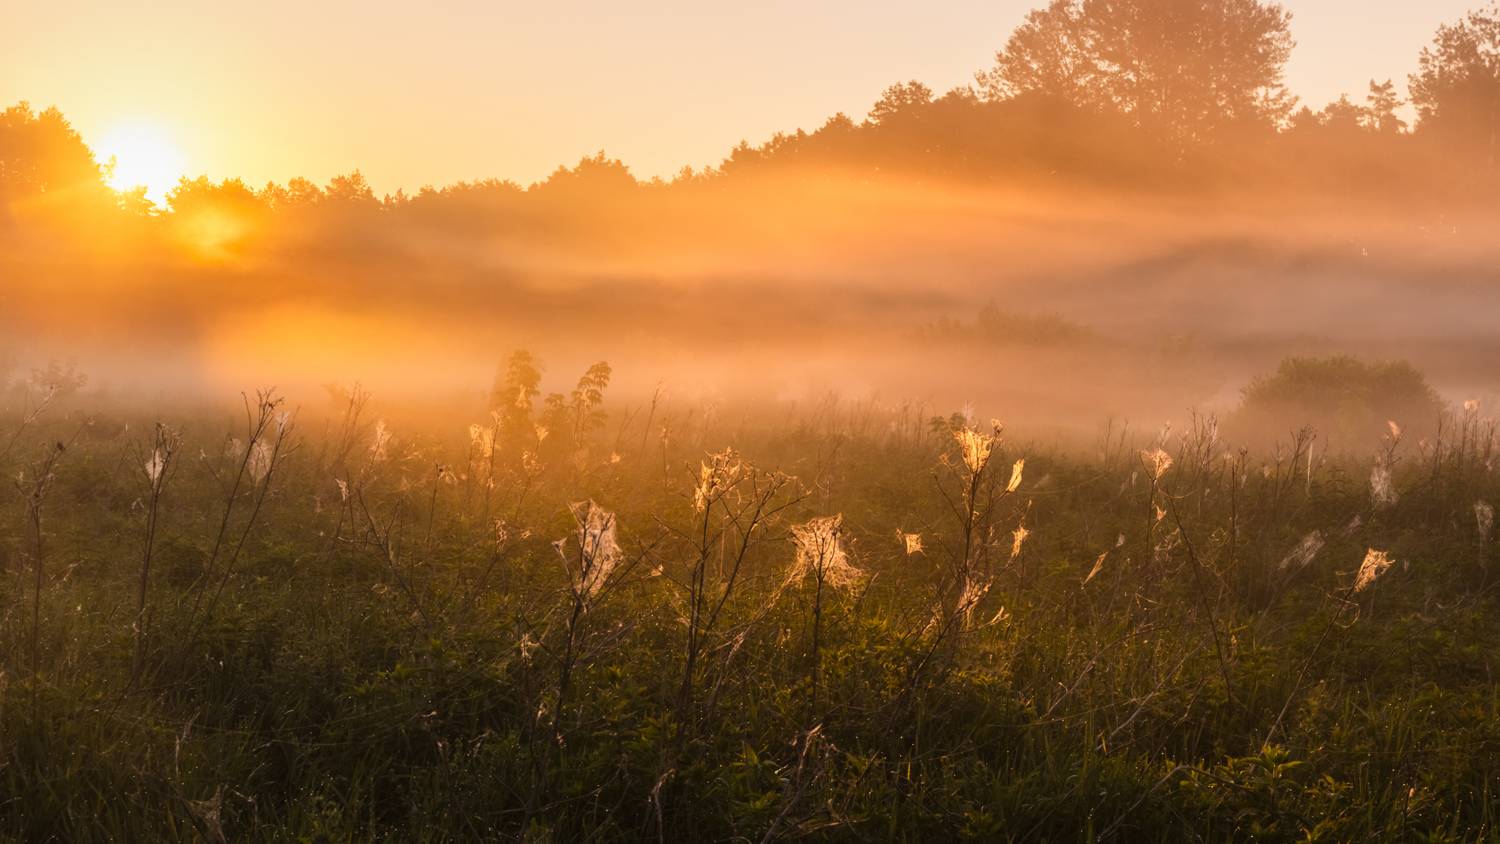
(1235, 470)
(971, 519)
(35, 496)
(650, 417)
(259, 427)
(543, 760)
(1200, 588)
(354, 409)
(661, 829)
(239, 547)
(256, 429)
(470, 473)
(383, 541)
(566, 665)
(582, 602)
(27, 418)
(1089, 667)
(1148, 553)
(817, 656)
(482, 579)
(799, 780)
(1144, 700)
(757, 518)
(703, 618)
(437, 480)
(163, 451)
(695, 603)
(489, 474)
(1110, 830)
(1343, 602)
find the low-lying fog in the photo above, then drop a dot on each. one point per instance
(1048, 309)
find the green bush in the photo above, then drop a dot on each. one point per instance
(1347, 400)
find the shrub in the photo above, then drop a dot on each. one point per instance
(1349, 401)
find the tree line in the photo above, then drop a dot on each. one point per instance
(1133, 94)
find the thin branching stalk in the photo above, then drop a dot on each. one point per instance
(158, 468)
(35, 494)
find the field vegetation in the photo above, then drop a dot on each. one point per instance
(836, 620)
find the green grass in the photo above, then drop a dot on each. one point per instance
(385, 668)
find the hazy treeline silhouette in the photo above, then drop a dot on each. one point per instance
(1148, 93)
(1134, 169)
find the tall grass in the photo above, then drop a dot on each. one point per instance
(839, 622)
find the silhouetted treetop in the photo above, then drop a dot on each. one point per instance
(597, 173)
(1191, 68)
(41, 153)
(1380, 108)
(900, 99)
(1456, 88)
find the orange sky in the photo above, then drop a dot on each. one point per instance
(413, 95)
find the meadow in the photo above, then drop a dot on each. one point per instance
(577, 617)
(835, 496)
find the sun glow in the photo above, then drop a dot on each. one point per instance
(141, 154)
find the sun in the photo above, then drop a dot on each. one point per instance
(144, 156)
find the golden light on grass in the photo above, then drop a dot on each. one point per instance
(141, 154)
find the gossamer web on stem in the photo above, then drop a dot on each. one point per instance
(821, 553)
(1304, 553)
(1382, 490)
(912, 542)
(1157, 461)
(599, 552)
(1375, 564)
(975, 448)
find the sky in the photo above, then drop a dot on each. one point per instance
(439, 92)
